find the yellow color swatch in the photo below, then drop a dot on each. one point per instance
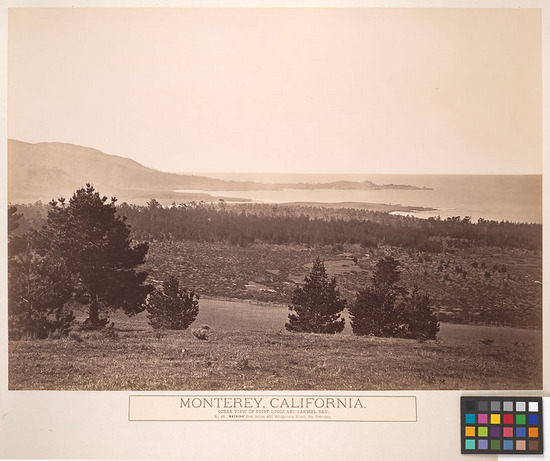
(495, 419)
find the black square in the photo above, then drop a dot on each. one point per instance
(470, 405)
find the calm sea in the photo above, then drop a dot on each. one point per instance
(496, 197)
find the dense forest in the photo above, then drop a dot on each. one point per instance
(241, 224)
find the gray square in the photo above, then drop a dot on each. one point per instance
(482, 405)
(495, 406)
(508, 406)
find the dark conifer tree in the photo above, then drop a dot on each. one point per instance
(386, 309)
(316, 306)
(172, 308)
(94, 242)
(419, 315)
(387, 275)
(375, 311)
(38, 287)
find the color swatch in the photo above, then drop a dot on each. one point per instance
(501, 425)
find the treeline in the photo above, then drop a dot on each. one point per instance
(284, 224)
(280, 224)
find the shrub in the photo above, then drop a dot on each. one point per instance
(75, 336)
(202, 333)
(430, 246)
(110, 332)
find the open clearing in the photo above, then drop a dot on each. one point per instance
(481, 283)
(249, 349)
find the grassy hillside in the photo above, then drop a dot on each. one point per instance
(258, 355)
(468, 280)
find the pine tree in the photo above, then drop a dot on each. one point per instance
(419, 316)
(94, 242)
(386, 309)
(317, 304)
(375, 311)
(386, 275)
(172, 308)
(38, 288)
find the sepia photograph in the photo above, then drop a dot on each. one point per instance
(274, 199)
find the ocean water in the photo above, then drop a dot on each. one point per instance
(515, 198)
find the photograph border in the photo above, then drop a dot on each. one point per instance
(94, 425)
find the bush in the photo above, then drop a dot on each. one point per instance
(430, 246)
(110, 332)
(172, 308)
(40, 325)
(75, 336)
(202, 333)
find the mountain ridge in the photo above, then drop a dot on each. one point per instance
(46, 170)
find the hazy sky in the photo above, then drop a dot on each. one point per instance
(284, 90)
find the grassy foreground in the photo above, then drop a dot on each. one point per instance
(262, 356)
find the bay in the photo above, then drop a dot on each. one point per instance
(516, 198)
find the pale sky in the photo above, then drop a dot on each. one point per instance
(284, 90)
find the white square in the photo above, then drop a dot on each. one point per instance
(520, 406)
(533, 406)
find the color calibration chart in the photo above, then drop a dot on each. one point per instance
(501, 425)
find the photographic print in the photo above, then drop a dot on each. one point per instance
(274, 199)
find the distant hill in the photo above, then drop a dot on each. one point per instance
(352, 185)
(49, 170)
